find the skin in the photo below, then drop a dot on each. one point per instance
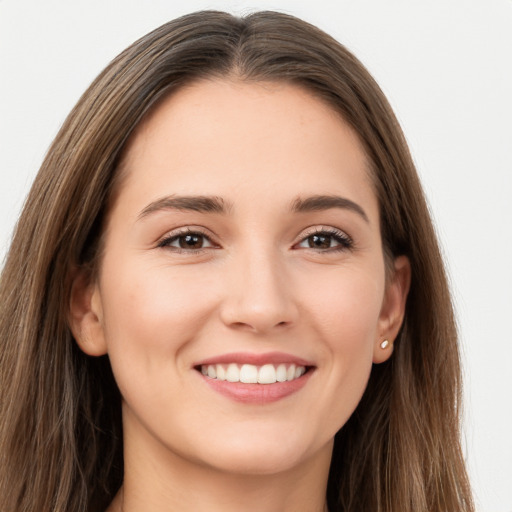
(259, 284)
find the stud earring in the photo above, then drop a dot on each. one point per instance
(384, 345)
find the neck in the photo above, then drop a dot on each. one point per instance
(158, 481)
(229, 495)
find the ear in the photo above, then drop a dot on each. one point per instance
(86, 314)
(393, 309)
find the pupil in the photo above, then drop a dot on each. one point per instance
(320, 241)
(191, 241)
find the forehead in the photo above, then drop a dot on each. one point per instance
(217, 133)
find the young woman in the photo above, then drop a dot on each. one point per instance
(225, 291)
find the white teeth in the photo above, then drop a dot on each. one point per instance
(233, 373)
(281, 373)
(221, 372)
(267, 374)
(251, 374)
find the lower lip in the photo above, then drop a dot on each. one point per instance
(257, 393)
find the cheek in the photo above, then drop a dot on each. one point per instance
(152, 315)
(347, 306)
(345, 316)
(151, 312)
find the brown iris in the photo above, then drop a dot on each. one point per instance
(319, 241)
(192, 241)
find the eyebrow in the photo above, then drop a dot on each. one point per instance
(202, 204)
(215, 204)
(326, 202)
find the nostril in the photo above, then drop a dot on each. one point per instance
(242, 325)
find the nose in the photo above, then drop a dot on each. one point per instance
(259, 295)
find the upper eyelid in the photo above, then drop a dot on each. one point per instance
(312, 230)
(345, 241)
(183, 231)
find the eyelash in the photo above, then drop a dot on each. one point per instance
(173, 237)
(344, 241)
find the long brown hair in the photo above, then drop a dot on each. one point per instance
(60, 417)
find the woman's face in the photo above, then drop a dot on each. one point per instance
(244, 244)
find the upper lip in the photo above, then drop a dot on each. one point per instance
(255, 359)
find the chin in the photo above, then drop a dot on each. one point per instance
(250, 463)
(260, 456)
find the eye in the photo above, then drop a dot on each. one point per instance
(187, 241)
(327, 240)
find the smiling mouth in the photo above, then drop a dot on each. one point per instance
(252, 374)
